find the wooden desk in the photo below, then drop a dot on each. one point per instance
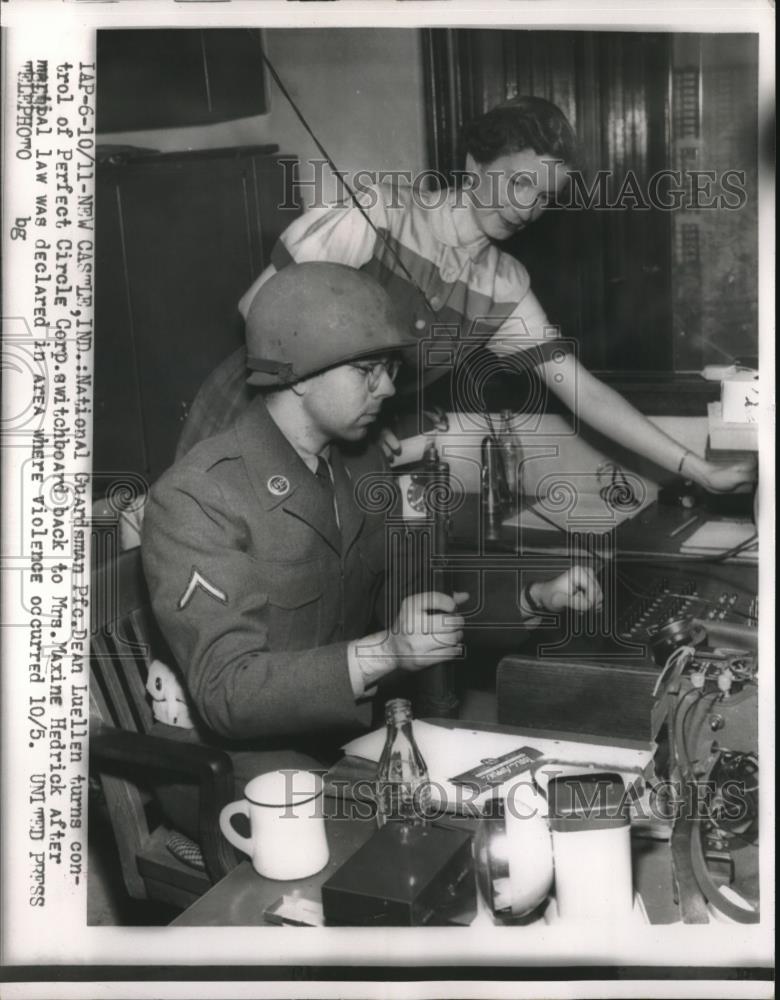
(494, 573)
(651, 534)
(242, 896)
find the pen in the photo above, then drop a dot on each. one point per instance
(683, 526)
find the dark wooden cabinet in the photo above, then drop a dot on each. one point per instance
(180, 237)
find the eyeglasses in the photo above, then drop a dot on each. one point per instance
(373, 371)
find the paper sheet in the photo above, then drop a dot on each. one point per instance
(449, 752)
(589, 511)
(714, 537)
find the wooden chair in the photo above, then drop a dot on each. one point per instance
(126, 759)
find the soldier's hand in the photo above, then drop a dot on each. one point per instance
(427, 630)
(578, 589)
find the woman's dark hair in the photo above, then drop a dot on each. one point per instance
(524, 123)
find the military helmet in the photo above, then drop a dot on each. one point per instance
(312, 316)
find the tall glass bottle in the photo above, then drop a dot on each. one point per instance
(511, 449)
(403, 790)
(494, 497)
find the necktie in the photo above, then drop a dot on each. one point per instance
(323, 474)
(323, 477)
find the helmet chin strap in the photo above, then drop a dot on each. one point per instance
(282, 369)
(339, 174)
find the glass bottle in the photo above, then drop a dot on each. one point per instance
(493, 494)
(403, 792)
(511, 449)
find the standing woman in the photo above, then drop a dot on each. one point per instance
(437, 255)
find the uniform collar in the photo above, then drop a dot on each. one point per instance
(281, 478)
(269, 457)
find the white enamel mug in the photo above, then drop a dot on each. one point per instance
(287, 826)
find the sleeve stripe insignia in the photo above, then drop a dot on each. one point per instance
(198, 580)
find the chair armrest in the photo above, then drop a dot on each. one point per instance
(212, 768)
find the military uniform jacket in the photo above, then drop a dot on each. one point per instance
(256, 589)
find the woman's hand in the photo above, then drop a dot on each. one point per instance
(717, 477)
(578, 589)
(437, 422)
(389, 444)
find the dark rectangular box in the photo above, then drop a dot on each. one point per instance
(405, 876)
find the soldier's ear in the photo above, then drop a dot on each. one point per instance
(301, 387)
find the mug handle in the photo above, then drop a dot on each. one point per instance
(229, 832)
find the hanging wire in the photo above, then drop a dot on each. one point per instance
(685, 703)
(347, 187)
(340, 177)
(677, 660)
(745, 546)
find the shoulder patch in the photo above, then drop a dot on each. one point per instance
(198, 580)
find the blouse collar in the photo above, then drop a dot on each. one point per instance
(454, 224)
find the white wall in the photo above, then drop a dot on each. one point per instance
(361, 91)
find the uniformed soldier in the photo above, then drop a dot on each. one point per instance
(264, 547)
(265, 569)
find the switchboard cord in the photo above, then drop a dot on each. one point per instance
(339, 174)
(735, 551)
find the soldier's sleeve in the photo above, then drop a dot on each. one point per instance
(211, 602)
